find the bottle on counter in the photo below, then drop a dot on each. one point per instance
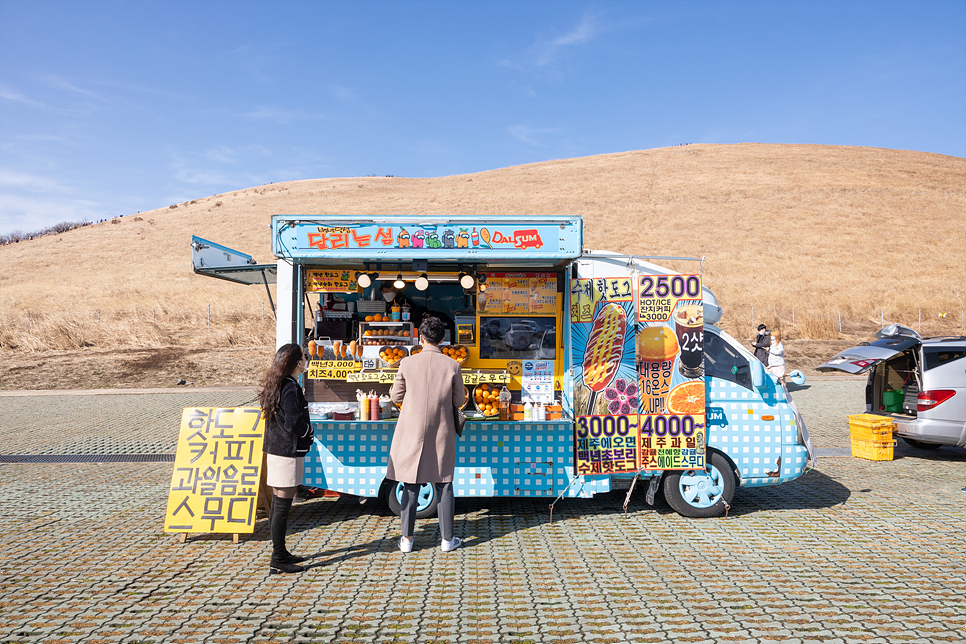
(406, 313)
(505, 404)
(528, 412)
(374, 408)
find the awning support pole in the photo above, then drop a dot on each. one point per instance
(268, 290)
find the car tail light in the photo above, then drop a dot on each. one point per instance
(929, 399)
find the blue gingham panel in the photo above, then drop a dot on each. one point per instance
(766, 452)
(492, 459)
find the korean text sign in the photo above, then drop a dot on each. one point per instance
(638, 373)
(214, 486)
(670, 363)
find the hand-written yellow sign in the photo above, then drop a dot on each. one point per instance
(478, 378)
(330, 281)
(469, 378)
(214, 486)
(332, 369)
(372, 376)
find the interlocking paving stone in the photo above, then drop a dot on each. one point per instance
(853, 551)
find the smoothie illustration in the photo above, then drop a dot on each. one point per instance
(657, 346)
(689, 328)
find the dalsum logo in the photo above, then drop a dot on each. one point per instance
(521, 239)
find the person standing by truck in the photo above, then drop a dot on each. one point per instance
(423, 449)
(288, 437)
(776, 356)
(761, 344)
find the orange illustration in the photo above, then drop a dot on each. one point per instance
(686, 399)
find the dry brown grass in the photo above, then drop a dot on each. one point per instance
(818, 228)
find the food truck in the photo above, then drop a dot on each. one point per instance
(585, 371)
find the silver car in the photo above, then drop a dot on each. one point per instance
(919, 382)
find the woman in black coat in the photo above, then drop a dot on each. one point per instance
(288, 438)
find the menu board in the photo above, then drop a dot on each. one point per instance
(543, 295)
(330, 281)
(638, 357)
(670, 358)
(519, 294)
(491, 300)
(217, 467)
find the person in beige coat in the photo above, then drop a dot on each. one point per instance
(423, 449)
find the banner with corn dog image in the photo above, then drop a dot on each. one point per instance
(638, 356)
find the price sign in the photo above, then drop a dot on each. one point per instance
(331, 369)
(672, 442)
(606, 444)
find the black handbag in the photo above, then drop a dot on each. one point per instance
(459, 419)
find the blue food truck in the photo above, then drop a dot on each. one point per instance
(585, 371)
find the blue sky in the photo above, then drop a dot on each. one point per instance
(108, 108)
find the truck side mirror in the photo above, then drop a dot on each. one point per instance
(757, 374)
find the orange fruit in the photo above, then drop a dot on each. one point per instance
(686, 398)
(369, 318)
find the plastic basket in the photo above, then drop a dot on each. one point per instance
(869, 427)
(873, 450)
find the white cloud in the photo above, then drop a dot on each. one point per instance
(31, 214)
(546, 52)
(30, 182)
(10, 94)
(529, 135)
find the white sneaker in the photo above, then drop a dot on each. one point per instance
(405, 545)
(450, 546)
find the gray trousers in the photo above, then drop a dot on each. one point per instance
(445, 510)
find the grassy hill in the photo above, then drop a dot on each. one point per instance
(819, 228)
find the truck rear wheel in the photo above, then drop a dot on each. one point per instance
(426, 499)
(703, 493)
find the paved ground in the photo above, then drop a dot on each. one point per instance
(854, 551)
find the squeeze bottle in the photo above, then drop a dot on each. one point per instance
(528, 411)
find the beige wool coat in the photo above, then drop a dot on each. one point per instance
(423, 449)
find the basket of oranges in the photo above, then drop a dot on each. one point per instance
(391, 355)
(487, 400)
(455, 351)
(466, 397)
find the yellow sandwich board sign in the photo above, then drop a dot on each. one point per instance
(214, 486)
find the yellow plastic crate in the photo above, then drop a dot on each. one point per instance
(869, 427)
(873, 450)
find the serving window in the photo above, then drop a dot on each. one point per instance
(518, 338)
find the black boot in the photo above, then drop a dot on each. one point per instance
(278, 524)
(285, 556)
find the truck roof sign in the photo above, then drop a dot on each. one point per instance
(439, 239)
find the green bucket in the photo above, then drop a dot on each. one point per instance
(892, 400)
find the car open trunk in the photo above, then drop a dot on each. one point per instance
(895, 376)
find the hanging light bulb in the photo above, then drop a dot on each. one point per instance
(422, 282)
(399, 284)
(466, 280)
(363, 279)
(481, 278)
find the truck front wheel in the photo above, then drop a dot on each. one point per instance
(703, 493)
(426, 499)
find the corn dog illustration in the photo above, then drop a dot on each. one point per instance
(605, 345)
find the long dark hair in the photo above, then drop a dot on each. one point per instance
(286, 358)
